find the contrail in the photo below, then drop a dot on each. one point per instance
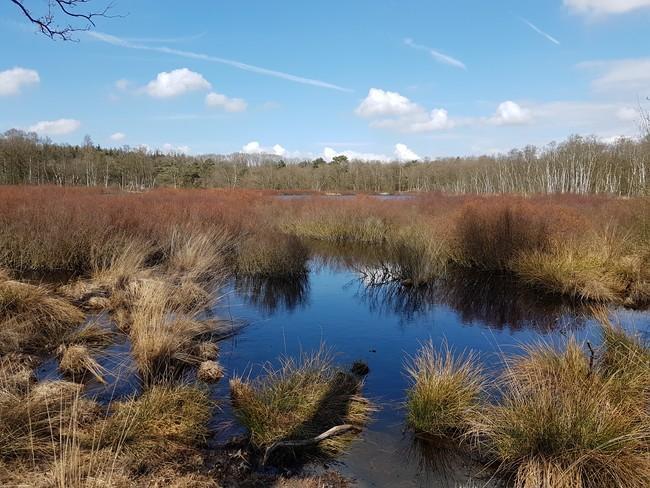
(117, 41)
(437, 55)
(540, 31)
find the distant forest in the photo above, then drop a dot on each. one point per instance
(577, 165)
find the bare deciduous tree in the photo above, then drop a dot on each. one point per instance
(60, 19)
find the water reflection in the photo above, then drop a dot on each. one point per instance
(497, 301)
(439, 458)
(493, 300)
(270, 295)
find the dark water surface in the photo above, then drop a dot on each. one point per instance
(383, 325)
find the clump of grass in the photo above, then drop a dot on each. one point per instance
(197, 256)
(562, 423)
(16, 374)
(32, 415)
(119, 260)
(417, 255)
(76, 360)
(446, 391)
(300, 400)
(156, 426)
(164, 338)
(209, 372)
(91, 334)
(273, 255)
(206, 350)
(32, 317)
(599, 268)
(625, 361)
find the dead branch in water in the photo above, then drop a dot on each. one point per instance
(336, 430)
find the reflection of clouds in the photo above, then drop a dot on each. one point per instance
(493, 300)
(272, 294)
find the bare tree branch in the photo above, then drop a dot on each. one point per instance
(48, 23)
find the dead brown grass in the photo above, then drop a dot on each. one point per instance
(33, 318)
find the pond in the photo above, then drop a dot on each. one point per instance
(342, 305)
(337, 305)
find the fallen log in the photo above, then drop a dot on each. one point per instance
(336, 430)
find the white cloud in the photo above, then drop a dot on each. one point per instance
(118, 136)
(176, 82)
(13, 80)
(438, 119)
(172, 149)
(278, 150)
(254, 147)
(403, 153)
(612, 139)
(510, 113)
(385, 103)
(621, 75)
(437, 55)
(628, 114)
(329, 154)
(540, 31)
(586, 118)
(226, 103)
(602, 7)
(55, 127)
(390, 110)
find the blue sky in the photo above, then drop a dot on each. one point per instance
(367, 78)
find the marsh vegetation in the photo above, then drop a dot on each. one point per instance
(104, 285)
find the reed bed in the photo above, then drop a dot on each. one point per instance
(590, 248)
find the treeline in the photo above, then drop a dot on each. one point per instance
(577, 165)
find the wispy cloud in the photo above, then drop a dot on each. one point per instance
(166, 40)
(117, 41)
(604, 7)
(437, 55)
(621, 76)
(539, 31)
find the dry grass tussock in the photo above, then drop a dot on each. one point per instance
(164, 422)
(446, 392)
(33, 414)
(164, 337)
(32, 318)
(272, 255)
(300, 400)
(566, 421)
(50, 436)
(603, 267)
(197, 256)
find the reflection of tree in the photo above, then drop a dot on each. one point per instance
(271, 294)
(493, 300)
